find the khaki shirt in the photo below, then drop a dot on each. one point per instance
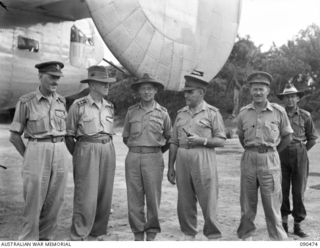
(37, 117)
(147, 128)
(86, 118)
(265, 128)
(302, 125)
(207, 122)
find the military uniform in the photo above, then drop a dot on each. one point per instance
(146, 132)
(93, 166)
(196, 169)
(260, 166)
(295, 164)
(44, 171)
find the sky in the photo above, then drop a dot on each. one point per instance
(268, 21)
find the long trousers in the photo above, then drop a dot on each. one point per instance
(197, 179)
(261, 170)
(295, 169)
(144, 174)
(44, 176)
(93, 170)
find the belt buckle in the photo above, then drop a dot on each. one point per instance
(54, 139)
(262, 149)
(104, 141)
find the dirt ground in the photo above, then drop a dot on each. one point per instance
(11, 201)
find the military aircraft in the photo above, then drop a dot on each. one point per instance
(164, 38)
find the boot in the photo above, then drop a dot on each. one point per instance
(151, 236)
(285, 226)
(298, 231)
(138, 236)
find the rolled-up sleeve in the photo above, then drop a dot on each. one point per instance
(126, 126)
(20, 118)
(285, 127)
(167, 126)
(218, 126)
(72, 120)
(311, 132)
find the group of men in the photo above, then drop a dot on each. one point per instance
(264, 131)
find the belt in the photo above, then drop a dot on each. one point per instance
(144, 149)
(185, 146)
(104, 140)
(261, 149)
(50, 139)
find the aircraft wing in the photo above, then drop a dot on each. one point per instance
(52, 10)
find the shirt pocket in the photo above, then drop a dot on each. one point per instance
(107, 121)
(38, 124)
(204, 127)
(271, 131)
(60, 119)
(88, 125)
(156, 124)
(298, 126)
(180, 124)
(135, 127)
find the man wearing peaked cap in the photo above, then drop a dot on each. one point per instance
(197, 130)
(195, 80)
(146, 130)
(51, 68)
(41, 115)
(89, 141)
(263, 130)
(294, 159)
(260, 77)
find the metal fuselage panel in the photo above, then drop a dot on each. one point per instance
(18, 74)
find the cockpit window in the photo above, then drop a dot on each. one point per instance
(78, 36)
(25, 43)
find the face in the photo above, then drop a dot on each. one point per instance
(147, 92)
(259, 92)
(193, 97)
(291, 100)
(48, 83)
(100, 88)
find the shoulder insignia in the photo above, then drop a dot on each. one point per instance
(164, 109)
(278, 107)
(27, 97)
(62, 99)
(244, 108)
(212, 108)
(182, 109)
(109, 104)
(133, 106)
(305, 112)
(81, 101)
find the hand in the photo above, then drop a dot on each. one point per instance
(195, 140)
(171, 176)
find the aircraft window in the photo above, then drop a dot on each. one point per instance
(25, 43)
(78, 36)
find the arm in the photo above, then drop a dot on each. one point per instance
(126, 129)
(167, 132)
(211, 141)
(70, 143)
(17, 142)
(310, 144)
(17, 126)
(285, 141)
(311, 133)
(172, 159)
(241, 139)
(72, 124)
